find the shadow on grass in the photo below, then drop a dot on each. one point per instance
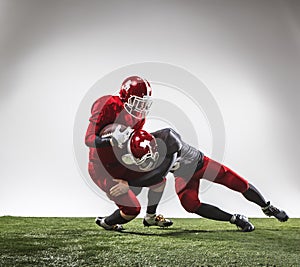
(177, 232)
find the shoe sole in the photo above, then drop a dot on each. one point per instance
(283, 219)
(167, 224)
(97, 221)
(248, 229)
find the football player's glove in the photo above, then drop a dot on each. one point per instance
(121, 137)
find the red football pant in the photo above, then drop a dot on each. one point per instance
(213, 171)
(128, 202)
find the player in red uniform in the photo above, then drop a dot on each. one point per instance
(143, 166)
(189, 166)
(130, 109)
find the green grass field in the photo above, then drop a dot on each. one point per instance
(189, 242)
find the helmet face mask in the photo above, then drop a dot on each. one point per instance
(136, 95)
(149, 161)
(138, 107)
(146, 163)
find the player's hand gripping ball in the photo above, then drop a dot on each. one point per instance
(118, 132)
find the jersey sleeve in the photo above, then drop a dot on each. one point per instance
(102, 113)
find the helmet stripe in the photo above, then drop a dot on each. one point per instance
(149, 90)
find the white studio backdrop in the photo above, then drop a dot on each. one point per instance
(53, 52)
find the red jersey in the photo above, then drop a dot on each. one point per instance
(107, 110)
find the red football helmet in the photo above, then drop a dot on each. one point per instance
(142, 148)
(136, 94)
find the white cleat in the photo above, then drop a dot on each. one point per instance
(116, 227)
(157, 220)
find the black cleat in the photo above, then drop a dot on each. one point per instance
(280, 215)
(242, 222)
(157, 220)
(100, 221)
